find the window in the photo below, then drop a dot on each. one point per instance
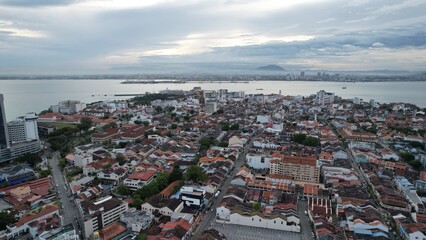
(252, 219)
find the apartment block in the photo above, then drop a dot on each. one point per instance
(297, 167)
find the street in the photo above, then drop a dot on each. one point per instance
(305, 226)
(69, 210)
(211, 215)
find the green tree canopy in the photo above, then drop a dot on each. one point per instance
(6, 219)
(123, 190)
(196, 174)
(121, 159)
(235, 126)
(85, 123)
(176, 174)
(406, 156)
(256, 206)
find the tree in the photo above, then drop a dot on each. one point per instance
(6, 219)
(85, 123)
(176, 174)
(45, 173)
(31, 158)
(235, 126)
(312, 141)
(416, 164)
(220, 111)
(173, 126)
(406, 156)
(196, 174)
(225, 127)
(158, 109)
(416, 144)
(62, 163)
(206, 142)
(170, 109)
(142, 236)
(186, 118)
(299, 138)
(123, 190)
(256, 206)
(121, 159)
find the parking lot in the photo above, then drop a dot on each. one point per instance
(237, 232)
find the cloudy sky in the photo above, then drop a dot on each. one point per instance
(114, 36)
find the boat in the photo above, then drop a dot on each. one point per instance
(259, 88)
(343, 87)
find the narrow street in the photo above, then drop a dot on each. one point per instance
(209, 216)
(69, 210)
(305, 226)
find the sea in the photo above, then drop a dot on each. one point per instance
(22, 96)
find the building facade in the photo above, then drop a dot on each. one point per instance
(100, 214)
(297, 167)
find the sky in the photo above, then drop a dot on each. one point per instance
(167, 36)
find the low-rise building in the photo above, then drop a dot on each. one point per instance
(193, 197)
(164, 206)
(136, 220)
(139, 179)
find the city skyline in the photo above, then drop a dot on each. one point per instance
(94, 37)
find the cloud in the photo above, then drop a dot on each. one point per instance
(377, 45)
(8, 28)
(35, 3)
(98, 36)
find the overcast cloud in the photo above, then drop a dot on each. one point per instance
(128, 36)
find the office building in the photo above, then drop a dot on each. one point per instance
(297, 167)
(100, 214)
(211, 107)
(4, 135)
(324, 97)
(19, 136)
(4, 139)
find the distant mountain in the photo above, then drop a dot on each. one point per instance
(271, 67)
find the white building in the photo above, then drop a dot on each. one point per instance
(136, 220)
(263, 118)
(324, 97)
(138, 180)
(193, 197)
(258, 161)
(211, 107)
(164, 206)
(23, 129)
(100, 214)
(68, 107)
(255, 219)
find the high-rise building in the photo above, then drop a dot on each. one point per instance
(211, 107)
(23, 129)
(4, 139)
(4, 135)
(17, 137)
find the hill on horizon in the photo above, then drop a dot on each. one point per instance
(271, 67)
